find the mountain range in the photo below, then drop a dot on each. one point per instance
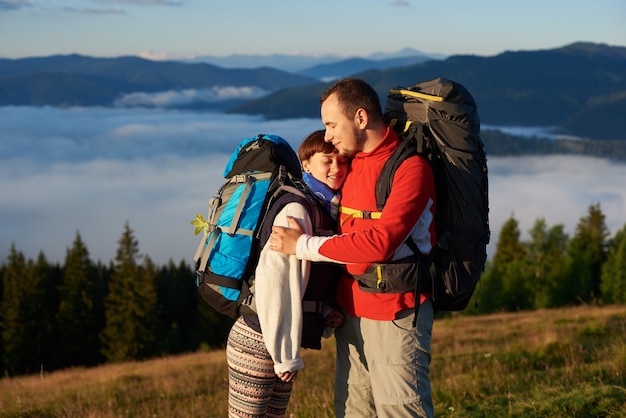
(579, 88)
(302, 64)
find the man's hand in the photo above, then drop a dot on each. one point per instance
(284, 239)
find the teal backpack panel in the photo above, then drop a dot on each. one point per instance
(230, 252)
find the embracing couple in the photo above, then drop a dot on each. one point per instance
(383, 351)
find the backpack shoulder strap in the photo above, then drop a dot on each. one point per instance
(407, 148)
(283, 196)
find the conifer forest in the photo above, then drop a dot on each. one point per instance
(83, 313)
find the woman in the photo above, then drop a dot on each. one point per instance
(263, 350)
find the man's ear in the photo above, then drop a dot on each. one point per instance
(361, 118)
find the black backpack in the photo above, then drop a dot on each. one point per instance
(438, 119)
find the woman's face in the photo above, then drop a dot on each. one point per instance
(330, 169)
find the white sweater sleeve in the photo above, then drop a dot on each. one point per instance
(280, 282)
(307, 248)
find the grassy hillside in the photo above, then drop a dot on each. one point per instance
(557, 363)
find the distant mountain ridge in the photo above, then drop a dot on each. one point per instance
(77, 80)
(580, 88)
(296, 63)
(347, 67)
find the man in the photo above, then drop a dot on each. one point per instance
(382, 357)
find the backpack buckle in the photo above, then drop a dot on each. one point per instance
(381, 283)
(239, 178)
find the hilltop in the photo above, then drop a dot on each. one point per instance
(548, 363)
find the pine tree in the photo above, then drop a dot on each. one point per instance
(493, 294)
(586, 253)
(510, 270)
(546, 253)
(177, 306)
(12, 315)
(517, 288)
(80, 308)
(613, 276)
(147, 312)
(130, 305)
(28, 304)
(43, 281)
(536, 256)
(509, 247)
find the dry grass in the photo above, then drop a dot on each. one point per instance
(166, 387)
(556, 363)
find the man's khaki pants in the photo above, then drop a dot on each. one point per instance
(382, 366)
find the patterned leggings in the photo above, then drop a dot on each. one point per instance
(254, 390)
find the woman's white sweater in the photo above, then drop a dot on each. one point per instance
(279, 285)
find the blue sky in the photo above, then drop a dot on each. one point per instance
(190, 28)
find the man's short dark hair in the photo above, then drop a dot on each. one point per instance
(354, 94)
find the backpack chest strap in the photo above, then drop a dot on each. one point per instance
(357, 213)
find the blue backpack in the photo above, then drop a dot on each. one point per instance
(263, 174)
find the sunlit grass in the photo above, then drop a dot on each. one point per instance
(549, 363)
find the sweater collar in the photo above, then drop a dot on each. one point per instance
(388, 144)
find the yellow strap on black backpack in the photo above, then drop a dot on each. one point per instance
(357, 213)
(407, 124)
(416, 94)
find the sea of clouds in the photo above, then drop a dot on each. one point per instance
(64, 171)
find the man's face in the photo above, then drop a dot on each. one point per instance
(341, 130)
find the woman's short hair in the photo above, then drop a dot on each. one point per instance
(313, 144)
